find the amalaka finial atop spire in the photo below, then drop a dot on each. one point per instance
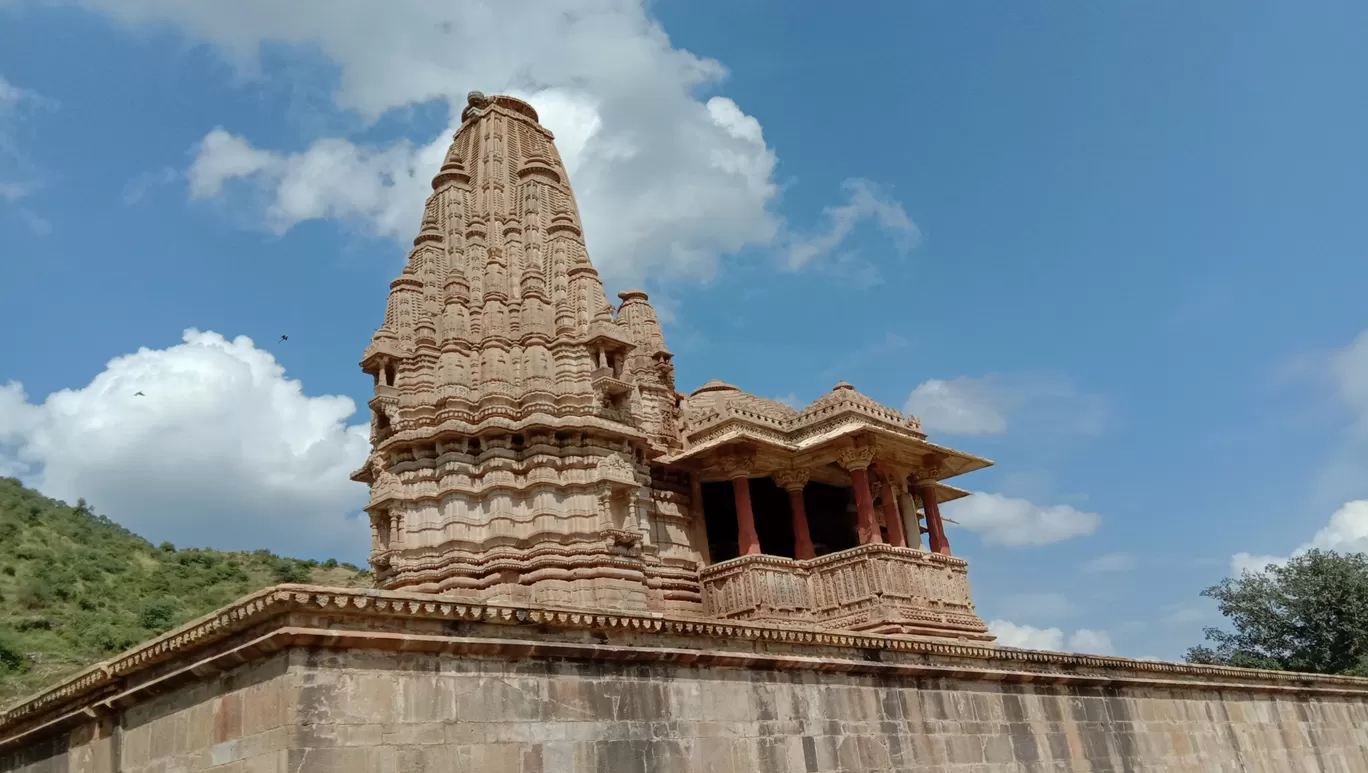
(477, 102)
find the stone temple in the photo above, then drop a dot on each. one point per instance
(530, 445)
(580, 568)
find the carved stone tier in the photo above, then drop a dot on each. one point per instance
(876, 588)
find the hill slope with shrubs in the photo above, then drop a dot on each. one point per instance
(76, 587)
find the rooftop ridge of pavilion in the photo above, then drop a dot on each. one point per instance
(725, 415)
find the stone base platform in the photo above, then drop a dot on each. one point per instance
(299, 679)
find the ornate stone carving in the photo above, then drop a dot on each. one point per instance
(524, 426)
(496, 326)
(876, 588)
(737, 463)
(856, 458)
(617, 469)
(791, 479)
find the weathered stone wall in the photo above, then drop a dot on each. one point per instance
(240, 721)
(368, 711)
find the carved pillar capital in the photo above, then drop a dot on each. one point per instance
(791, 479)
(856, 458)
(737, 464)
(932, 470)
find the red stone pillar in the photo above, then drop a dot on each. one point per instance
(891, 515)
(747, 541)
(935, 527)
(857, 461)
(793, 482)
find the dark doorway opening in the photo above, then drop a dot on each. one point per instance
(831, 521)
(773, 520)
(719, 518)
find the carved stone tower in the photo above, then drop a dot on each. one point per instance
(515, 409)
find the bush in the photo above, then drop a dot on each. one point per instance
(12, 659)
(158, 615)
(106, 638)
(288, 570)
(34, 594)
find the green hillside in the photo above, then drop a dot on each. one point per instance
(75, 587)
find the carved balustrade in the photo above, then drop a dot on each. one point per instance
(757, 587)
(877, 588)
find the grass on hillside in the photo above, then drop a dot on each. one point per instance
(76, 588)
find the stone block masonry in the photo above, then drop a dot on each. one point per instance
(298, 679)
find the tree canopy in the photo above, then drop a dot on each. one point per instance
(76, 587)
(1310, 614)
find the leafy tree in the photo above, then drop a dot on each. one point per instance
(1310, 614)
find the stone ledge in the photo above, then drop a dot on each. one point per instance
(691, 641)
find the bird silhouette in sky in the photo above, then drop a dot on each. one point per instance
(139, 394)
(284, 338)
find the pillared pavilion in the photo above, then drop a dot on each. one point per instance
(530, 446)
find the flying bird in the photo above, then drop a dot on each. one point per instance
(139, 394)
(284, 338)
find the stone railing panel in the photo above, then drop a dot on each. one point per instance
(757, 587)
(870, 588)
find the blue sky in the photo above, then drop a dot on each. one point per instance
(1118, 250)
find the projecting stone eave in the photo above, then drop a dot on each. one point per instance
(908, 451)
(301, 616)
(947, 493)
(379, 350)
(500, 424)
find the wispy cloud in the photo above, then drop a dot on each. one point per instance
(863, 355)
(864, 201)
(138, 187)
(1111, 562)
(1016, 522)
(989, 405)
(19, 176)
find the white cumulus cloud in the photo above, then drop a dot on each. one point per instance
(1083, 640)
(1002, 520)
(962, 406)
(220, 450)
(1346, 532)
(668, 179)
